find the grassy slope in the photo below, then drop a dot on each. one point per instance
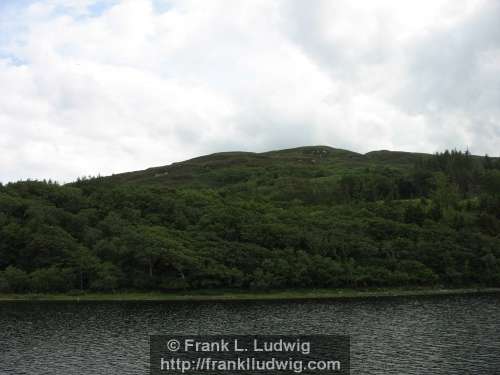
(218, 295)
(205, 171)
(227, 168)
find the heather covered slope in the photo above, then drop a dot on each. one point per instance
(309, 217)
(233, 167)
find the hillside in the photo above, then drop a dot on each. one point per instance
(309, 217)
(225, 168)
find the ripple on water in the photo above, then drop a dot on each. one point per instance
(425, 335)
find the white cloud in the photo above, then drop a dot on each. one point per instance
(92, 86)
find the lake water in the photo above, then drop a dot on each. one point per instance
(422, 335)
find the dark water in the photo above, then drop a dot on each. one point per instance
(425, 335)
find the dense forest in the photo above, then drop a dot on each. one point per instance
(310, 217)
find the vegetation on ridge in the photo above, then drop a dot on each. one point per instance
(299, 218)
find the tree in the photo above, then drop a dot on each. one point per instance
(85, 262)
(51, 279)
(446, 193)
(415, 214)
(107, 278)
(15, 280)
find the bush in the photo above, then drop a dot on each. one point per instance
(107, 279)
(418, 273)
(52, 279)
(4, 285)
(15, 280)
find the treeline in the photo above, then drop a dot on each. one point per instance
(436, 223)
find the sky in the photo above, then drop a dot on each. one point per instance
(93, 87)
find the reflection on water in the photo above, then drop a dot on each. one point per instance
(424, 335)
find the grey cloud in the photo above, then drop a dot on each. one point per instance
(454, 81)
(342, 55)
(445, 67)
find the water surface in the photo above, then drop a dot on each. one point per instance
(407, 335)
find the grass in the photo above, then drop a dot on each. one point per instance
(221, 295)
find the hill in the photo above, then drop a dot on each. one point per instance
(231, 167)
(308, 217)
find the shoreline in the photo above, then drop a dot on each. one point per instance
(219, 295)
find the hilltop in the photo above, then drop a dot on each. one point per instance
(227, 167)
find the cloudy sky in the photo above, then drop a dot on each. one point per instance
(92, 87)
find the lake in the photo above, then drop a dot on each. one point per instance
(406, 335)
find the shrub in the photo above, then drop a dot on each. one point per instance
(15, 280)
(52, 279)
